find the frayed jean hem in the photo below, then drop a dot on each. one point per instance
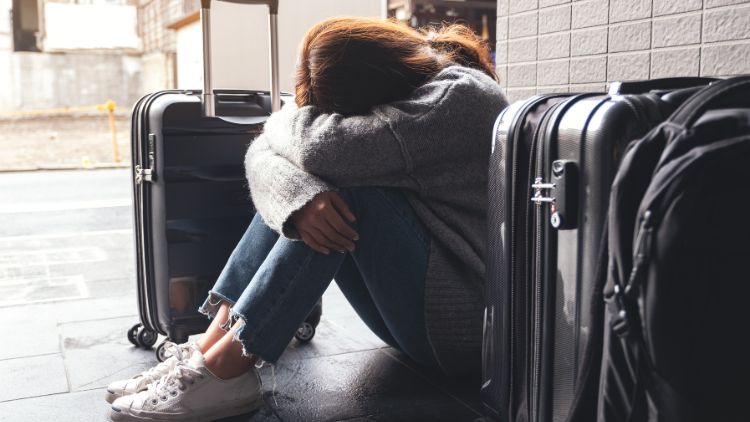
(250, 343)
(211, 307)
(212, 304)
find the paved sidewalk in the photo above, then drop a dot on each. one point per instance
(67, 298)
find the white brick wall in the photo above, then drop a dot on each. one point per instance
(582, 45)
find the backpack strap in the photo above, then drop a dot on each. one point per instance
(726, 93)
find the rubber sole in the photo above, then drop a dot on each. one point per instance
(124, 415)
(110, 396)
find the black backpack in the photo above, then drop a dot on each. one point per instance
(677, 342)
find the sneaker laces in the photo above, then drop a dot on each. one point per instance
(179, 351)
(177, 379)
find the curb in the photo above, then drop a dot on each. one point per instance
(102, 166)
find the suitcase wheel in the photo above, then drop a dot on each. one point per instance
(161, 352)
(305, 332)
(146, 338)
(133, 333)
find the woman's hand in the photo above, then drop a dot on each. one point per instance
(321, 224)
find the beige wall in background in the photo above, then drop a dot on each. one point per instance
(583, 45)
(189, 57)
(240, 40)
(5, 25)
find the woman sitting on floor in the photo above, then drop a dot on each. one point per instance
(376, 178)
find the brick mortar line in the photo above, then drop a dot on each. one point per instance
(527, 12)
(700, 37)
(556, 6)
(651, 43)
(628, 22)
(724, 6)
(678, 15)
(676, 47)
(590, 56)
(609, 22)
(526, 63)
(524, 38)
(558, 59)
(738, 41)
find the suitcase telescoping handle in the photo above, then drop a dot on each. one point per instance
(209, 104)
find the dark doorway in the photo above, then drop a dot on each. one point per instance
(25, 17)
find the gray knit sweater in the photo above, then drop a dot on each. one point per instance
(435, 145)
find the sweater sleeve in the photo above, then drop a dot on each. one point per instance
(278, 187)
(346, 151)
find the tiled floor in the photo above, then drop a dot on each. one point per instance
(63, 331)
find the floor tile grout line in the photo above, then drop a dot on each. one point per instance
(31, 356)
(338, 354)
(59, 324)
(57, 302)
(432, 383)
(61, 393)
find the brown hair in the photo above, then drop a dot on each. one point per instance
(348, 65)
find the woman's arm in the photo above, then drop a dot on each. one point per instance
(347, 151)
(278, 187)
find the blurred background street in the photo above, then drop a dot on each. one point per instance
(63, 142)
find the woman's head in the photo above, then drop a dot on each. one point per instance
(348, 65)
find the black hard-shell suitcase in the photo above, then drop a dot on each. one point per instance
(676, 344)
(553, 159)
(191, 199)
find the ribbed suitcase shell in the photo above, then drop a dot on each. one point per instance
(544, 315)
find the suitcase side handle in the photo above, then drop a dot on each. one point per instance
(209, 104)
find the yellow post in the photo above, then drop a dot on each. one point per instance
(111, 111)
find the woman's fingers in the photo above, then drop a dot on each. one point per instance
(330, 238)
(345, 234)
(321, 224)
(334, 218)
(313, 243)
(342, 243)
(341, 206)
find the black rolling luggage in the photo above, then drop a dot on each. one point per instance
(676, 346)
(190, 194)
(552, 163)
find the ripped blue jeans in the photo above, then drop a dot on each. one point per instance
(272, 283)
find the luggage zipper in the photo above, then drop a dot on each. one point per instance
(537, 281)
(517, 128)
(147, 174)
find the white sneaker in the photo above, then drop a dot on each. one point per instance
(190, 392)
(176, 353)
